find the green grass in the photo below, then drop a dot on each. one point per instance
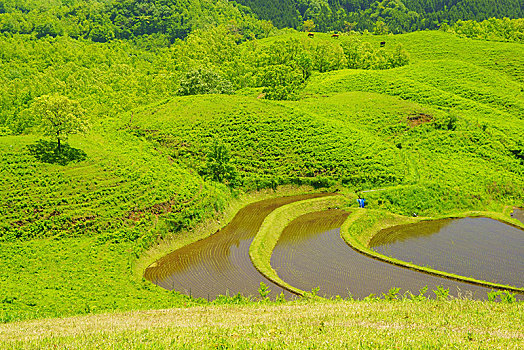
(463, 324)
(52, 278)
(267, 139)
(70, 234)
(120, 177)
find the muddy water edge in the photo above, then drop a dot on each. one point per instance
(220, 264)
(310, 253)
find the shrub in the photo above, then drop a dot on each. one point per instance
(201, 81)
(219, 167)
(280, 82)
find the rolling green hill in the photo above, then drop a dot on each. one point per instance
(414, 125)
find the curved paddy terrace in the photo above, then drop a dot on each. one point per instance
(310, 253)
(220, 264)
(481, 248)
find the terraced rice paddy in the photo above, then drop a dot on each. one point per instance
(220, 264)
(310, 253)
(482, 248)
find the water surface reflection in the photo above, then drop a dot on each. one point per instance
(482, 248)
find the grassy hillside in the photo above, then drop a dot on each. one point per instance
(301, 325)
(449, 125)
(269, 140)
(444, 133)
(70, 233)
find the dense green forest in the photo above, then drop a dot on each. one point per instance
(168, 20)
(104, 20)
(398, 16)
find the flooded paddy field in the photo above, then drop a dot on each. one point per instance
(481, 248)
(220, 263)
(518, 213)
(310, 253)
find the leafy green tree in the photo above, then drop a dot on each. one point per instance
(328, 57)
(280, 81)
(219, 167)
(309, 25)
(305, 64)
(204, 81)
(380, 28)
(59, 117)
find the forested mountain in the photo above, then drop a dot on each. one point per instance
(398, 15)
(168, 20)
(104, 20)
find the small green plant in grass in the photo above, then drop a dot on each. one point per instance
(420, 295)
(392, 294)
(312, 294)
(281, 298)
(314, 291)
(492, 296)
(507, 297)
(441, 293)
(371, 297)
(226, 299)
(263, 291)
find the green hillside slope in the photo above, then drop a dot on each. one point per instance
(418, 125)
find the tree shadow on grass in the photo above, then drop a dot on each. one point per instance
(47, 152)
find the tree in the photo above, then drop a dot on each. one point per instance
(204, 81)
(280, 81)
(380, 28)
(309, 25)
(59, 116)
(218, 166)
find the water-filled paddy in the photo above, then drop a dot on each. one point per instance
(310, 253)
(518, 214)
(482, 248)
(220, 264)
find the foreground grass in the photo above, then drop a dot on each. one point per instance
(299, 325)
